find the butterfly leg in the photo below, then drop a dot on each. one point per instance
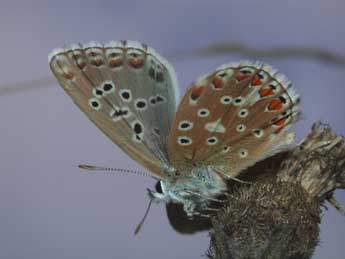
(205, 197)
(189, 208)
(229, 177)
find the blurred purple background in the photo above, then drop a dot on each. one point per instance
(50, 208)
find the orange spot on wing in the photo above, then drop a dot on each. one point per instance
(266, 92)
(275, 105)
(81, 64)
(197, 91)
(69, 75)
(281, 121)
(256, 80)
(97, 62)
(115, 62)
(241, 76)
(136, 62)
(217, 82)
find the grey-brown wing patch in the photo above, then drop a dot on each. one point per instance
(127, 89)
(232, 118)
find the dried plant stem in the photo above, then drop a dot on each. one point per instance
(278, 216)
(304, 52)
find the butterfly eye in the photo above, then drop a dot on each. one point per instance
(158, 187)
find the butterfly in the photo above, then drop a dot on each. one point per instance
(227, 120)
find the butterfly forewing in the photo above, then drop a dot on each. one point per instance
(232, 118)
(124, 87)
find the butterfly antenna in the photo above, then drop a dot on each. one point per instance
(113, 170)
(137, 229)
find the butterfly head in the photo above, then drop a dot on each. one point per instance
(194, 190)
(158, 194)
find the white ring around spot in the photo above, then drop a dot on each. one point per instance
(183, 123)
(203, 112)
(181, 139)
(226, 99)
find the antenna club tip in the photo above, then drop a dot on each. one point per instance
(86, 167)
(81, 166)
(137, 229)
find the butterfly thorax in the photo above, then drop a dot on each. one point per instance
(194, 190)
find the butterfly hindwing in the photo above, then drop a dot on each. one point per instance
(123, 87)
(232, 118)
